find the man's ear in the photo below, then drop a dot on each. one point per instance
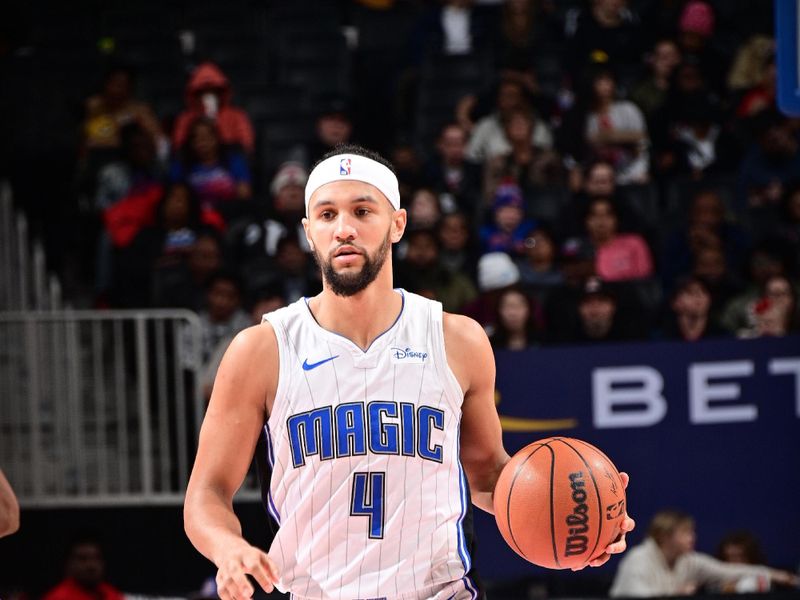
(399, 221)
(305, 229)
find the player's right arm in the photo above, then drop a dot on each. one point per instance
(243, 390)
(9, 508)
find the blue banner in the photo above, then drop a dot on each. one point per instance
(711, 428)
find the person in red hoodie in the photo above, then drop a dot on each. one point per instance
(84, 576)
(209, 94)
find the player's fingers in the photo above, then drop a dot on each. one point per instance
(600, 560)
(261, 574)
(627, 524)
(270, 566)
(617, 546)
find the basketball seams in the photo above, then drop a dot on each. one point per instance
(596, 490)
(510, 493)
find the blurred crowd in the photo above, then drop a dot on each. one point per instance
(583, 171)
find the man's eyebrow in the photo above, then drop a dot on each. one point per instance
(328, 202)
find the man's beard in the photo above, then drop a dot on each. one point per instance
(349, 284)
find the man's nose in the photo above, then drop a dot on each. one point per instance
(345, 230)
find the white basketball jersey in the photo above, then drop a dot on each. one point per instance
(363, 446)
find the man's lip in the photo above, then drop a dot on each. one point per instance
(344, 250)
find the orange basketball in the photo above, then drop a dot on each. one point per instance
(559, 502)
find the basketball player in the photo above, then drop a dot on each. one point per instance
(376, 417)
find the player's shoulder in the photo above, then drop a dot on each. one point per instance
(463, 335)
(462, 327)
(256, 340)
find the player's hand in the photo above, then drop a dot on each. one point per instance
(619, 544)
(232, 581)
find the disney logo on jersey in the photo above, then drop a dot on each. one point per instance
(407, 355)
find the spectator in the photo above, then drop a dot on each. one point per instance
(209, 95)
(166, 243)
(695, 32)
(259, 237)
(764, 263)
(697, 144)
(113, 108)
(770, 164)
(688, 87)
(666, 564)
(458, 250)
(524, 28)
(127, 193)
(775, 312)
(223, 315)
(516, 326)
(616, 131)
(751, 62)
(136, 167)
(707, 224)
(453, 28)
(488, 137)
(182, 284)
(333, 126)
(496, 271)
(599, 319)
(421, 272)
(218, 176)
(711, 267)
(266, 302)
(528, 166)
(607, 32)
(619, 257)
(690, 319)
(84, 574)
(761, 96)
(651, 93)
(597, 180)
(785, 227)
(449, 172)
(538, 269)
(9, 507)
(424, 209)
(740, 547)
(577, 262)
(509, 228)
(293, 274)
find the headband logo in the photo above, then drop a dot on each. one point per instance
(344, 166)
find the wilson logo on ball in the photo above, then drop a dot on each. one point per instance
(578, 521)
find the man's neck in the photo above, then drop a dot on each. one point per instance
(362, 317)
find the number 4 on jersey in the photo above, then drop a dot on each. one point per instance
(367, 501)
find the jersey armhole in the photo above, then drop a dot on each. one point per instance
(284, 373)
(452, 389)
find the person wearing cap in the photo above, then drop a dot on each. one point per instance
(696, 26)
(509, 228)
(367, 403)
(254, 243)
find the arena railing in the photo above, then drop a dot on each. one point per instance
(24, 281)
(99, 408)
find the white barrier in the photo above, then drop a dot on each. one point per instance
(99, 408)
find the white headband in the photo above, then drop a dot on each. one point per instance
(353, 167)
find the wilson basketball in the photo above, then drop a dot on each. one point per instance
(559, 502)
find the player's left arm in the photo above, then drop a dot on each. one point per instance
(471, 359)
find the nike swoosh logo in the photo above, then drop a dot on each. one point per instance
(308, 366)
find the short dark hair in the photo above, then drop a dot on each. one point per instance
(358, 151)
